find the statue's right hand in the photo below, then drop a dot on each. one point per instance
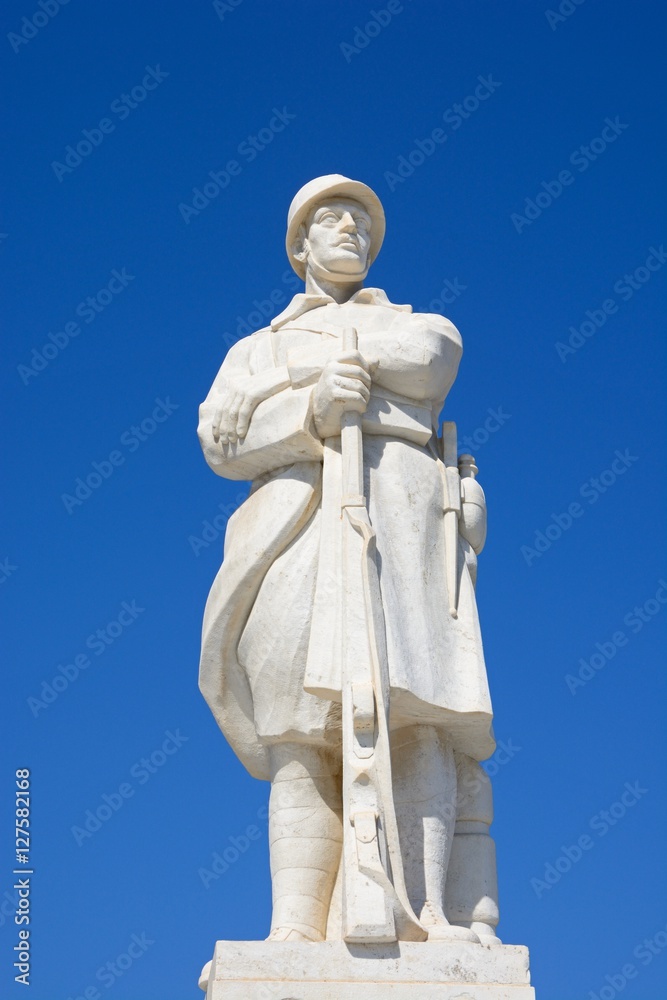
(233, 415)
(344, 385)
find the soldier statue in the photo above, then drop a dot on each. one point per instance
(341, 652)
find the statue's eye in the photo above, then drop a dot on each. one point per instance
(329, 217)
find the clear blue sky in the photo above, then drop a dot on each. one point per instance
(534, 207)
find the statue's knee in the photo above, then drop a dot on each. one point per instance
(295, 759)
(304, 775)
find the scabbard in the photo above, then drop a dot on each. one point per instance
(452, 512)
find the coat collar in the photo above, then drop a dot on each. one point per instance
(303, 302)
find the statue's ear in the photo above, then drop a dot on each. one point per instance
(299, 246)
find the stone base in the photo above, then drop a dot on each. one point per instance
(433, 970)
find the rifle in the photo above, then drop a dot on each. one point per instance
(376, 908)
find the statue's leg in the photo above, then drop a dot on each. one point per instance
(424, 776)
(471, 893)
(305, 838)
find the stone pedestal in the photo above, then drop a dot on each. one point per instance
(261, 970)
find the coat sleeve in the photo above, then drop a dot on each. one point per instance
(418, 355)
(281, 428)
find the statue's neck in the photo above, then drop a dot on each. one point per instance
(339, 291)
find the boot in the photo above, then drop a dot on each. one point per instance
(305, 839)
(471, 892)
(424, 775)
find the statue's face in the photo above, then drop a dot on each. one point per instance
(339, 238)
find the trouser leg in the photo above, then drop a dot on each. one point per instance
(305, 837)
(424, 775)
(471, 894)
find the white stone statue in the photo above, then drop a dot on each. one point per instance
(341, 651)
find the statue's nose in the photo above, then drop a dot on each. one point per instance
(347, 223)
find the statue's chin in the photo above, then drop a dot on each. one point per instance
(341, 271)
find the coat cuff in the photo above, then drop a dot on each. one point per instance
(281, 432)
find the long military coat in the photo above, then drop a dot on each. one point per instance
(270, 662)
